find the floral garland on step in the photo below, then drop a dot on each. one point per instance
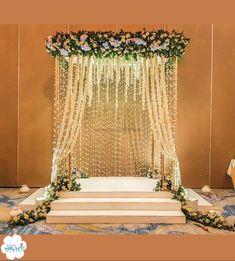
(207, 218)
(52, 193)
(61, 184)
(210, 218)
(31, 216)
(153, 174)
(123, 44)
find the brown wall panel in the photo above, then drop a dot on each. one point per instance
(194, 105)
(36, 95)
(115, 27)
(36, 82)
(139, 27)
(223, 106)
(8, 104)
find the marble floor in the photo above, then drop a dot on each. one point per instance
(224, 200)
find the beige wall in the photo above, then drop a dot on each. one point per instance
(206, 107)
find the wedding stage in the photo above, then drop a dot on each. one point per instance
(114, 149)
(115, 200)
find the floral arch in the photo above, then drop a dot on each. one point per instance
(116, 103)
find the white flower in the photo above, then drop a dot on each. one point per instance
(154, 46)
(83, 37)
(164, 46)
(139, 41)
(115, 43)
(106, 45)
(85, 47)
(64, 52)
(49, 44)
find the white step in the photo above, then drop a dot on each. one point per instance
(93, 184)
(115, 204)
(116, 194)
(203, 205)
(114, 216)
(29, 203)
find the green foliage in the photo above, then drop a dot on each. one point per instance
(153, 174)
(168, 183)
(207, 218)
(61, 183)
(210, 218)
(123, 44)
(180, 194)
(82, 174)
(31, 216)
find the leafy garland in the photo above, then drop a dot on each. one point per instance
(52, 193)
(153, 174)
(208, 218)
(168, 183)
(110, 44)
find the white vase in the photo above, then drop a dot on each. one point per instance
(15, 211)
(24, 189)
(206, 189)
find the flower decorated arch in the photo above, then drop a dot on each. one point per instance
(116, 103)
(115, 108)
(125, 44)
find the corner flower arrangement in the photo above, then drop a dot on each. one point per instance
(210, 218)
(168, 183)
(110, 44)
(52, 193)
(206, 218)
(153, 174)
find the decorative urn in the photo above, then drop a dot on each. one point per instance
(206, 189)
(24, 189)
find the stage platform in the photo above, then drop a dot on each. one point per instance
(115, 200)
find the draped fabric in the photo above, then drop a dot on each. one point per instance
(162, 121)
(115, 117)
(69, 112)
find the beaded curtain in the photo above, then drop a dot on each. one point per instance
(115, 117)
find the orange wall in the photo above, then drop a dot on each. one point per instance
(206, 107)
